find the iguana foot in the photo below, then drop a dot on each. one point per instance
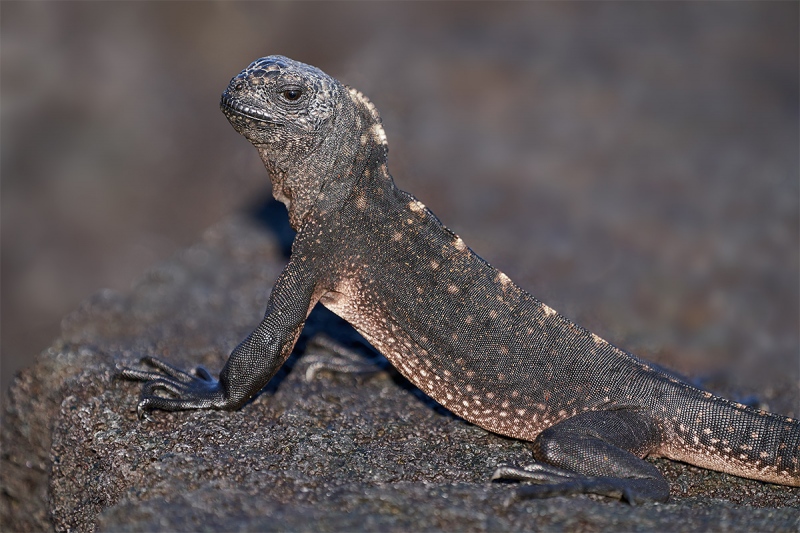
(344, 361)
(188, 391)
(552, 481)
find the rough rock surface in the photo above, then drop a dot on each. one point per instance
(338, 453)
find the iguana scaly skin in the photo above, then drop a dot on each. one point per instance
(456, 327)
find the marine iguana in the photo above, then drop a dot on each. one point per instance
(456, 327)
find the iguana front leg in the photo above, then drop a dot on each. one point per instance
(250, 366)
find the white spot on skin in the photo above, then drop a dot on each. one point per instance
(417, 207)
(548, 311)
(504, 280)
(452, 289)
(459, 244)
(379, 133)
(397, 236)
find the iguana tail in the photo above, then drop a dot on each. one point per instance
(715, 433)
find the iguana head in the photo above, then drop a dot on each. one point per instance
(276, 99)
(311, 131)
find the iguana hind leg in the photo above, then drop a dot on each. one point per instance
(599, 452)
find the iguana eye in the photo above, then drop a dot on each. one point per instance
(292, 94)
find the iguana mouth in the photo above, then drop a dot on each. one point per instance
(230, 107)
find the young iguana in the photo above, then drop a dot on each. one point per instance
(456, 327)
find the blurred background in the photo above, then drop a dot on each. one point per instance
(635, 165)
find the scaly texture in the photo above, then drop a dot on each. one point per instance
(456, 327)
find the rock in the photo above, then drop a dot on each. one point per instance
(338, 453)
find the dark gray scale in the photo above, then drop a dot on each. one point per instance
(455, 326)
